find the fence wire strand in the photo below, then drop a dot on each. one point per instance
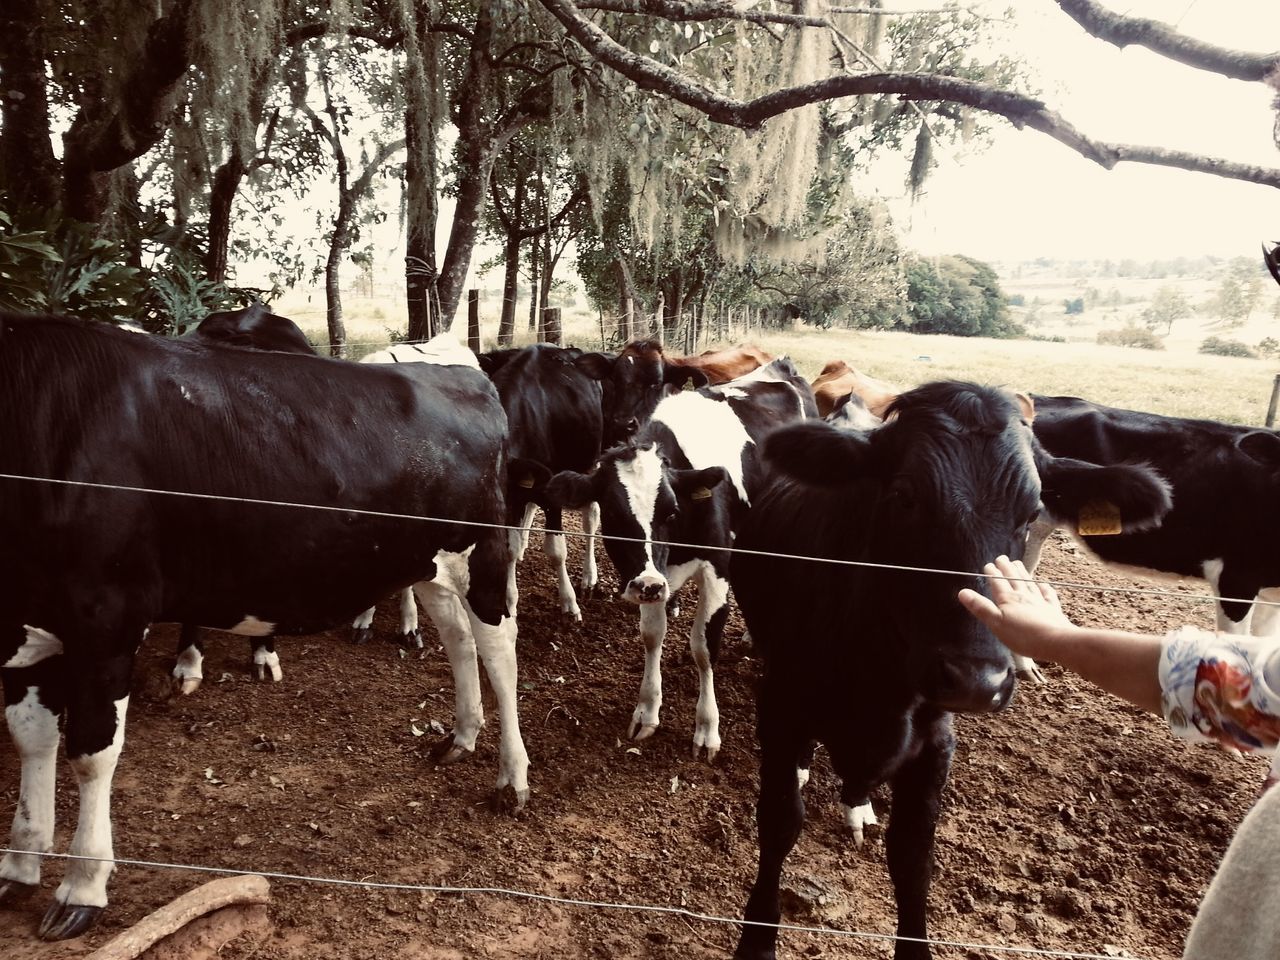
(869, 564)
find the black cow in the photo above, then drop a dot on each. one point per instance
(634, 381)
(688, 476)
(555, 422)
(1225, 519)
(86, 570)
(871, 662)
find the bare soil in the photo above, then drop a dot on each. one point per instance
(1072, 821)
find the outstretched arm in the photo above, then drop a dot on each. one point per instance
(1028, 619)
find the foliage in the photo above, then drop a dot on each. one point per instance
(1131, 336)
(1268, 347)
(958, 295)
(1073, 307)
(1168, 305)
(1222, 347)
(1239, 292)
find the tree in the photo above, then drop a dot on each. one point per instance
(1167, 306)
(705, 95)
(958, 296)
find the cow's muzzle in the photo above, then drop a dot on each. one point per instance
(647, 588)
(974, 685)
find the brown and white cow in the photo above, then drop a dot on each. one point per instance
(838, 380)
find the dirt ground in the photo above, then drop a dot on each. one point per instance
(1072, 822)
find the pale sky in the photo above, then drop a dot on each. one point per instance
(1030, 196)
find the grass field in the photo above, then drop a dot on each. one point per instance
(1176, 382)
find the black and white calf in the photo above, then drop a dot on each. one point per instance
(553, 406)
(687, 476)
(1225, 521)
(86, 569)
(871, 662)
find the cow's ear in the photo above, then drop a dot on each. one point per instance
(526, 480)
(818, 453)
(1262, 446)
(1026, 405)
(571, 489)
(1117, 499)
(597, 366)
(696, 485)
(677, 377)
(494, 360)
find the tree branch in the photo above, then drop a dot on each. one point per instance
(380, 156)
(1163, 39)
(1019, 109)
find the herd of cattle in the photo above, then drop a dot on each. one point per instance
(233, 479)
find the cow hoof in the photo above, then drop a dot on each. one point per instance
(857, 819)
(641, 731)
(447, 751)
(187, 685)
(508, 800)
(412, 640)
(11, 891)
(573, 614)
(700, 751)
(361, 635)
(63, 921)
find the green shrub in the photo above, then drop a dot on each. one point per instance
(1222, 347)
(1268, 347)
(1131, 336)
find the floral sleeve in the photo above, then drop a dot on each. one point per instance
(1222, 687)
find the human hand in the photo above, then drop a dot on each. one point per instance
(1024, 614)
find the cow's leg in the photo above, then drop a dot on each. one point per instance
(1266, 618)
(653, 630)
(188, 670)
(704, 642)
(410, 635)
(1226, 580)
(554, 547)
(590, 527)
(522, 542)
(1026, 668)
(34, 702)
(855, 807)
(917, 799)
(805, 762)
(97, 701)
(779, 816)
(362, 628)
(447, 613)
(266, 662)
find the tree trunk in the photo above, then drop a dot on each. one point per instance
(222, 197)
(510, 284)
(28, 168)
(533, 289)
(421, 202)
(332, 280)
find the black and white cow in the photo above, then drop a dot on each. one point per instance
(633, 383)
(553, 406)
(1225, 520)
(256, 327)
(871, 662)
(687, 476)
(85, 570)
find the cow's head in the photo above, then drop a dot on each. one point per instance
(634, 381)
(952, 479)
(642, 498)
(253, 326)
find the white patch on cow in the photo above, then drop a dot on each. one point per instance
(85, 881)
(641, 478)
(858, 819)
(729, 390)
(39, 645)
(189, 670)
(553, 546)
(444, 349)
(364, 621)
(709, 433)
(186, 394)
(653, 630)
(267, 661)
(1266, 618)
(251, 626)
(802, 776)
(453, 570)
(1213, 574)
(408, 612)
(34, 730)
(713, 593)
(590, 527)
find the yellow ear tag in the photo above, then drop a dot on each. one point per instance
(1099, 518)
(526, 482)
(702, 493)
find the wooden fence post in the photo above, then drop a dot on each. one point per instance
(473, 320)
(628, 321)
(660, 321)
(1275, 397)
(551, 325)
